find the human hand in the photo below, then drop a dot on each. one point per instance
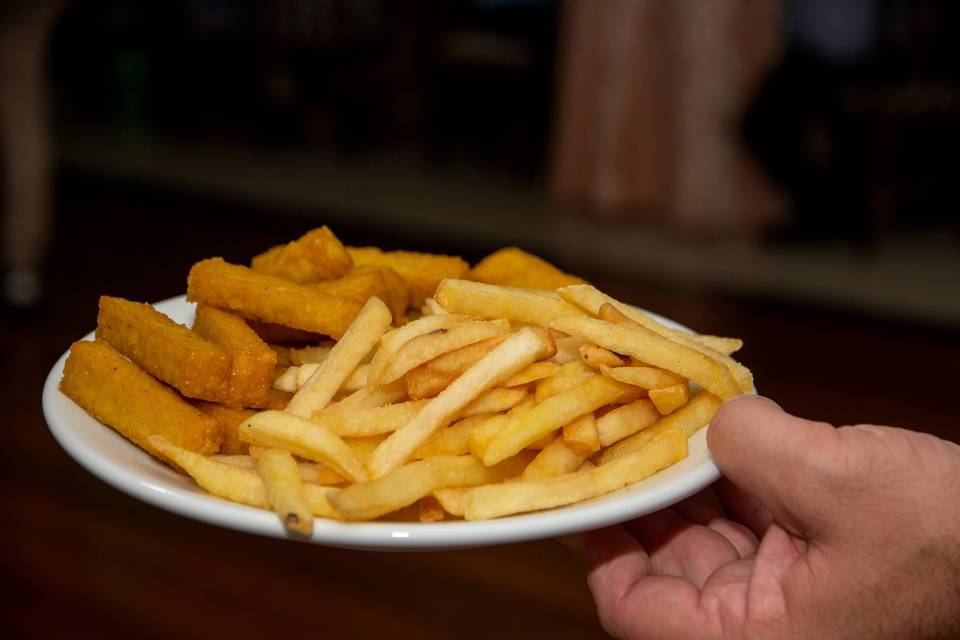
(815, 532)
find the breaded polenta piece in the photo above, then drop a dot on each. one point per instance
(277, 333)
(514, 267)
(317, 255)
(363, 283)
(421, 271)
(229, 420)
(258, 296)
(252, 360)
(119, 394)
(168, 351)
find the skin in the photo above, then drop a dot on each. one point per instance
(814, 532)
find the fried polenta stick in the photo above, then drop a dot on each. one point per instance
(421, 271)
(317, 255)
(118, 393)
(363, 283)
(515, 267)
(229, 419)
(253, 362)
(168, 351)
(269, 299)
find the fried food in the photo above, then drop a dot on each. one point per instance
(421, 271)
(515, 267)
(317, 255)
(119, 394)
(229, 420)
(533, 306)
(363, 283)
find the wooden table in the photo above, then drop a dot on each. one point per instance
(82, 559)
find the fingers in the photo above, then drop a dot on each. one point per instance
(773, 456)
(704, 509)
(631, 602)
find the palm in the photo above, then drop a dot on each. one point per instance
(692, 572)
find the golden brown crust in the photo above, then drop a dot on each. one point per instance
(317, 255)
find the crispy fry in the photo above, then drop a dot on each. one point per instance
(515, 267)
(393, 340)
(689, 419)
(432, 377)
(626, 420)
(284, 489)
(598, 357)
(345, 356)
(170, 352)
(305, 439)
(669, 399)
(426, 347)
(119, 394)
(373, 396)
(496, 500)
(407, 484)
(368, 421)
(655, 349)
(483, 434)
(515, 353)
(553, 460)
(581, 435)
(535, 422)
(430, 509)
(421, 271)
(533, 373)
(252, 361)
(531, 306)
(310, 472)
(305, 355)
(568, 376)
(430, 307)
(720, 344)
(453, 500)
(452, 441)
(495, 400)
(317, 255)
(643, 377)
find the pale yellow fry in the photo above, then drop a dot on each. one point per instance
(436, 343)
(597, 357)
(236, 483)
(430, 509)
(643, 377)
(568, 349)
(453, 500)
(295, 377)
(689, 419)
(648, 346)
(669, 399)
(312, 472)
(591, 300)
(363, 446)
(587, 466)
(284, 489)
(359, 379)
(358, 340)
(496, 500)
(430, 307)
(287, 380)
(720, 344)
(303, 438)
(495, 401)
(392, 340)
(626, 420)
(517, 352)
(407, 484)
(533, 423)
(453, 440)
(581, 435)
(570, 375)
(367, 421)
(532, 306)
(536, 371)
(555, 459)
(375, 396)
(304, 355)
(481, 435)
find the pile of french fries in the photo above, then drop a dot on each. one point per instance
(356, 384)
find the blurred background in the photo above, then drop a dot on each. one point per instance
(779, 170)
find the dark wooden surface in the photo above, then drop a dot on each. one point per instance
(80, 559)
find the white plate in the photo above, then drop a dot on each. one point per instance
(115, 460)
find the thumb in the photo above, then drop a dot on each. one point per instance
(783, 461)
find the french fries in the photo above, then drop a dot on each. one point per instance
(355, 384)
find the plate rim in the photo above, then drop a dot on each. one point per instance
(192, 502)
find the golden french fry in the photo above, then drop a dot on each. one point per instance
(720, 344)
(626, 420)
(515, 267)
(421, 271)
(598, 357)
(669, 399)
(430, 509)
(392, 340)
(287, 380)
(430, 307)
(536, 371)
(483, 434)
(532, 306)
(436, 343)
(535, 422)
(284, 489)
(430, 378)
(310, 472)
(568, 349)
(495, 401)
(496, 500)
(304, 355)
(358, 340)
(581, 435)
(367, 421)
(452, 441)
(453, 500)
(305, 439)
(363, 446)
(372, 396)
(642, 343)
(554, 460)
(569, 376)
(515, 353)
(689, 419)
(643, 377)
(407, 484)
(359, 379)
